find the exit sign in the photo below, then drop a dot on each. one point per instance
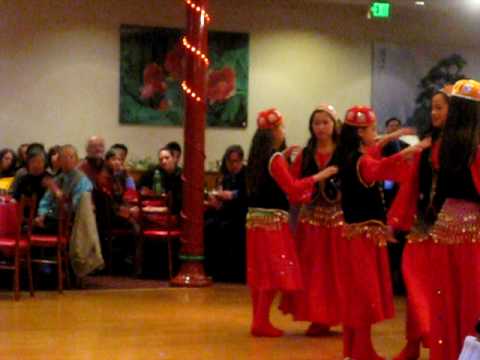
(380, 10)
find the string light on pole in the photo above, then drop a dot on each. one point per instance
(195, 49)
(190, 92)
(198, 9)
(194, 86)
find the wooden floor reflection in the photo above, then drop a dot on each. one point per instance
(162, 324)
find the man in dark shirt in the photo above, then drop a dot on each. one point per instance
(176, 150)
(34, 181)
(390, 190)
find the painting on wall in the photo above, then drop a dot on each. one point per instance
(406, 77)
(152, 67)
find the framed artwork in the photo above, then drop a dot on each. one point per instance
(406, 77)
(152, 67)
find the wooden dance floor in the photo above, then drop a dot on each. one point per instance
(161, 324)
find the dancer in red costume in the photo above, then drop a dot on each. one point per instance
(319, 228)
(365, 284)
(272, 263)
(414, 210)
(456, 232)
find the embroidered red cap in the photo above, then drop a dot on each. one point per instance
(329, 109)
(270, 118)
(360, 116)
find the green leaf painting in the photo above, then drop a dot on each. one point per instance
(152, 67)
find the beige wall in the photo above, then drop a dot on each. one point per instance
(59, 66)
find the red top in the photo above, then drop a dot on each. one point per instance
(374, 150)
(296, 167)
(297, 190)
(296, 172)
(404, 208)
(373, 169)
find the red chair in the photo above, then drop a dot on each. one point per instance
(58, 242)
(15, 246)
(157, 223)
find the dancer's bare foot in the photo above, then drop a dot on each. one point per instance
(265, 330)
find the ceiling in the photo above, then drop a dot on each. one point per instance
(458, 19)
(456, 9)
(437, 4)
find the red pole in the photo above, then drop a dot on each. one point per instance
(195, 45)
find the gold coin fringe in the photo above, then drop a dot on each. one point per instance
(372, 230)
(325, 216)
(457, 223)
(266, 219)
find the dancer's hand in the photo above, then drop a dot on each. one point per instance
(291, 151)
(410, 151)
(391, 239)
(405, 132)
(326, 173)
(395, 135)
(425, 143)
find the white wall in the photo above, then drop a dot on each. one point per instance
(59, 65)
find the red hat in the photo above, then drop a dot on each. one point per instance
(360, 116)
(268, 119)
(329, 109)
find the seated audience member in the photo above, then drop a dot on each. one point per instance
(7, 169)
(176, 150)
(116, 185)
(84, 246)
(22, 155)
(225, 220)
(8, 163)
(122, 151)
(71, 183)
(23, 170)
(92, 165)
(36, 179)
(391, 125)
(115, 182)
(170, 175)
(53, 160)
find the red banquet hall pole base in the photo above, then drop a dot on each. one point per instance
(195, 46)
(191, 275)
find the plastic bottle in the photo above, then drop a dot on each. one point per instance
(157, 182)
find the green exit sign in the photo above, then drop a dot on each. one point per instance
(380, 10)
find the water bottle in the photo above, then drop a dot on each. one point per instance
(157, 182)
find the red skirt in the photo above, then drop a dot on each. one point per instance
(318, 231)
(418, 272)
(455, 260)
(365, 285)
(272, 262)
